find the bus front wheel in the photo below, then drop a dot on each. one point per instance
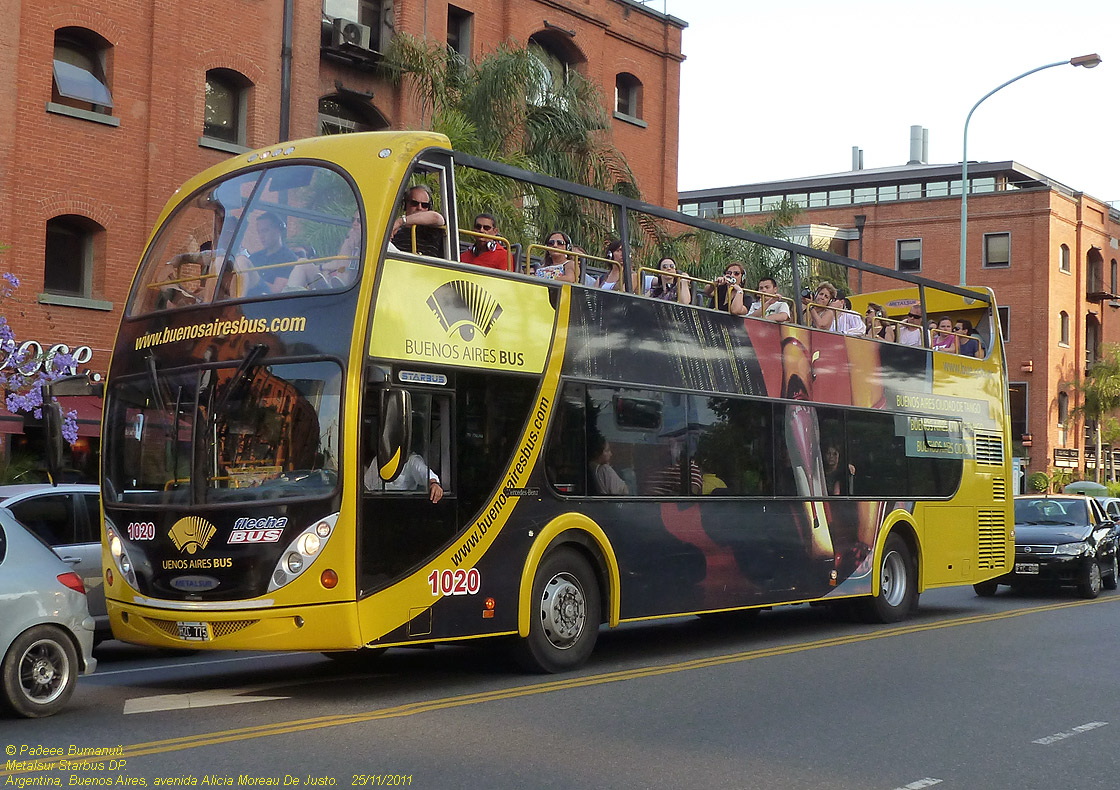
(565, 615)
(898, 584)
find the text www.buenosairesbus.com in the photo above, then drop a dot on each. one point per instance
(221, 328)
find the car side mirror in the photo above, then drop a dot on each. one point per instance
(394, 436)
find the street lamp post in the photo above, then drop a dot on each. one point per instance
(1088, 61)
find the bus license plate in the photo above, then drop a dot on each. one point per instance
(194, 632)
(1026, 567)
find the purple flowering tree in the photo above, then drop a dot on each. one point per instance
(23, 374)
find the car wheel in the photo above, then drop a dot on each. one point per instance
(986, 589)
(565, 616)
(898, 585)
(39, 672)
(1113, 577)
(1090, 586)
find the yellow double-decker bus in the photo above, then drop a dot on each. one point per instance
(319, 436)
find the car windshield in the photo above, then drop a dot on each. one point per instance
(1068, 512)
(237, 433)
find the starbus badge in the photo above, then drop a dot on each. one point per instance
(464, 306)
(191, 533)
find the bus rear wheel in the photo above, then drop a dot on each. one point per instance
(898, 585)
(565, 615)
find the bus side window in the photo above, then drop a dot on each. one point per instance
(733, 449)
(566, 456)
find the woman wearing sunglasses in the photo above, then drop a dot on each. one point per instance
(726, 292)
(876, 324)
(667, 286)
(557, 263)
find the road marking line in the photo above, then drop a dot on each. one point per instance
(1078, 730)
(210, 698)
(256, 657)
(447, 703)
(919, 784)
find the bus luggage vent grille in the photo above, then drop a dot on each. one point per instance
(993, 539)
(989, 448)
(225, 628)
(999, 489)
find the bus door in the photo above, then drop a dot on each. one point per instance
(401, 524)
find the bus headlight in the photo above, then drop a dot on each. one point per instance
(119, 554)
(302, 552)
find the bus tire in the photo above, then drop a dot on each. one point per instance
(565, 615)
(898, 585)
(986, 589)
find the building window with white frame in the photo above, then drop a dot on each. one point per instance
(79, 71)
(1063, 329)
(1063, 416)
(1063, 259)
(997, 250)
(225, 106)
(68, 256)
(908, 255)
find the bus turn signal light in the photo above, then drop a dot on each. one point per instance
(328, 579)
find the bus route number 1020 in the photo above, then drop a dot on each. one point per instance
(456, 582)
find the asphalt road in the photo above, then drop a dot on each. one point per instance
(1016, 691)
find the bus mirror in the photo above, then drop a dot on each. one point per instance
(52, 423)
(79, 385)
(394, 437)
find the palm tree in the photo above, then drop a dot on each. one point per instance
(507, 108)
(1100, 396)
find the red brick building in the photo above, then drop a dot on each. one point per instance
(1049, 252)
(107, 107)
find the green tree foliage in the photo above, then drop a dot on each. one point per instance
(1100, 395)
(1038, 482)
(509, 108)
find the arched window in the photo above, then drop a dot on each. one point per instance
(628, 95)
(69, 255)
(1113, 281)
(226, 106)
(556, 58)
(1094, 271)
(341, 114)
(1063, 408)
(80, 79)
(1063, 328)
(1063, 258)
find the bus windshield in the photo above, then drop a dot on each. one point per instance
(288, 228)
(239, 433)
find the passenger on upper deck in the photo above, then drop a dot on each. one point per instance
(486, 252)
(821, 314)
(910, 331)
(847, 322)
(969, 345)
(876, 325)
(261, 271)
(429, 224)
(613, 279)
(338, 271)
(670, 288)
(771, 306)
(557, 263)
(726, 293)
(944, 339)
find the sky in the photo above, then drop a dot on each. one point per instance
(780, 89)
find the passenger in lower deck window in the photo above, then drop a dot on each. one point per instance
(604, 479)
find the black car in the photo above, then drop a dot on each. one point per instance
(1061, 541)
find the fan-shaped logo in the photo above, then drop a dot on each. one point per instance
(463, 306)
(191, 533)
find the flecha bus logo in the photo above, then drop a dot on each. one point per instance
(465, 307)
(191, 533)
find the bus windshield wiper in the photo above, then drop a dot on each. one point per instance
(252, 357)
(153, 379)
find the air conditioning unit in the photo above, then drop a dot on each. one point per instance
(348, 33)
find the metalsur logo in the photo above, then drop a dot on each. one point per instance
(464, 307)
(194, 583)
(191, 533)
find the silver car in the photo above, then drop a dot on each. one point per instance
(67, 518)
(46, 633)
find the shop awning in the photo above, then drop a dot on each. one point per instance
(88, 408)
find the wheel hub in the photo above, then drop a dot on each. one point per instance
(563, 610)
(42, 672)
